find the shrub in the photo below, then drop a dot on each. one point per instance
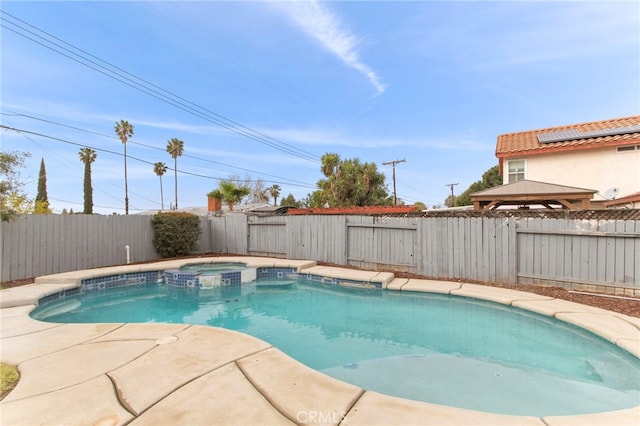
(175, 233)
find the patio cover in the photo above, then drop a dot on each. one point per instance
(529, 192)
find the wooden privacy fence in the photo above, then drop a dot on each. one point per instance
(593, 254)
(465, 248)
(602, 254)
(35, 245)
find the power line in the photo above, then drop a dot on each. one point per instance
(133, 158)
(233, 52)
(79, 203)
(114, 72)
(64, 161)
(14, 114)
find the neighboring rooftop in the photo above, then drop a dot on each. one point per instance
(203, 210)
(632, 201)
(595, 134)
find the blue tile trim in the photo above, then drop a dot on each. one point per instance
(180, 278)
(59, 295)
(275, 272)
(232, 278)
(120, 280)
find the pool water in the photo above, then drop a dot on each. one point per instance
(440, 349)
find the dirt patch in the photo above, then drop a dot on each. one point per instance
(16, 283)
(627, 305)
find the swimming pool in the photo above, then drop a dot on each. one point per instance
(442, 349)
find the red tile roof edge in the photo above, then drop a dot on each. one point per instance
(633, 198)
(525, 143)
(517, 143)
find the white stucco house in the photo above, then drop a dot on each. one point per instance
(601, 155)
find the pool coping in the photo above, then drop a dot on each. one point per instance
(189, 364)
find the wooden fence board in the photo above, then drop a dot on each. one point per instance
(503, 249)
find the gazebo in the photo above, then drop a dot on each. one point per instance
(526, 193)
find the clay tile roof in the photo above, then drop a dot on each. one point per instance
(528, 143)
(366, 210)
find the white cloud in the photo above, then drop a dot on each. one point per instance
(324, 138)
(322, 24)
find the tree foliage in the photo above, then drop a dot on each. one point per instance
(175, 148)
(420, 205)
(175, 233)
(490, 178)
(87, 156)
(315, 199)
(350, 183)
(15, 204)
(41, 207)
(258, 192)
(13, 201)
(41, 204)
(274, 191)
(230, 193)
(160, 169)
(290, 201)
(124, 131)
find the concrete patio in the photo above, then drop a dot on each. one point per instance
(139, 374)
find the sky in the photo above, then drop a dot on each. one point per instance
(260, 90)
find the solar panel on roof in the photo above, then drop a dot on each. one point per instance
(562, 135)
(572, 135)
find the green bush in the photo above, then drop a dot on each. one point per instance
(175, 234)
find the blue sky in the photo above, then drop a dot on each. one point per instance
(430, 82)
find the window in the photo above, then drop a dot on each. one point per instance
(628, 148)
(516, 171)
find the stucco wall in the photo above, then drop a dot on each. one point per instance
(598, 169)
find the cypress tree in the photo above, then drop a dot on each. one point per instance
(42, 185)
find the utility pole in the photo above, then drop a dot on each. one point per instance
(451, 185)
(393, 163)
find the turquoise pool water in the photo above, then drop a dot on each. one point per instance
(441, 349)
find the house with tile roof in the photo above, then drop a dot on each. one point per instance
(602, 155)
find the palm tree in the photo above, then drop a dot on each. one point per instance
(175, 148)
(274, 190)
(230, 193)
(87, 156)
(124, 130)
(160, 168)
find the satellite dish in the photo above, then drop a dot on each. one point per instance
(612, 193)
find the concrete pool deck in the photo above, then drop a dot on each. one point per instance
(173, 374)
